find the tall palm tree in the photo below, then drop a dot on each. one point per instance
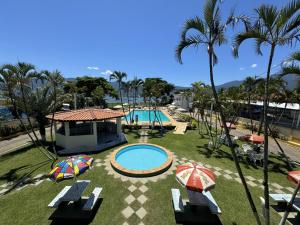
(271, 27)
(248, 87)
(136, 83)
(56, 80)
(119, 77)
(8, 79)
(211, 33)
(24, 74)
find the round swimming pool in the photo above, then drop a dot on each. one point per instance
(141, 160)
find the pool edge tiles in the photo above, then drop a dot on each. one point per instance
(141, 173)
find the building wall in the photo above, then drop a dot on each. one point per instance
(75, 141)
(181, 101)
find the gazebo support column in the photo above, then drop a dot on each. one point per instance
(119, 126)
(67, 129)
(95, 132)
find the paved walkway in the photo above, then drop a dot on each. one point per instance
(18, 142)
(180, 128)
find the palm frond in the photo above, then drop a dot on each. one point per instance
(192, 40)
(194, 23)
(243, 36)
(267, 15)
(293, 69)
(287, 12)
(209, 11)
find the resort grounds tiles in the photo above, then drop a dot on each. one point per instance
(228, 177)
(132, 188)
(142, 199)
(276, 185)
(141, 213)
(127, 212)
(143, 188)
(129, 199)
(251, 183)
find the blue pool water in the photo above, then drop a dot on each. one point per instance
(141, 157)
(143, 115)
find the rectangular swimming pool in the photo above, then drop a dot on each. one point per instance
(144, 115)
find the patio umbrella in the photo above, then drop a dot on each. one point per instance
(117, 107)
(181, 110)
(70, 167)
(172, 107)
(256, 139)
(195, 177)
(293, 176)
(229, 125)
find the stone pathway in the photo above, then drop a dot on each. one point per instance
(143, 135)
(180, 128)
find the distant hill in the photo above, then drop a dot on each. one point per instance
(291, 79)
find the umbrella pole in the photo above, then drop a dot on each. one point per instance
(289, 206)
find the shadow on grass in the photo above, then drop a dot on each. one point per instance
(19, 180)
(73, 214)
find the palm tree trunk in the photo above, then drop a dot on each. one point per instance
(266, 140)
(235, 158)
(120, 93)
(24, 126)
(250, 113)
(52, 122)
(29, 121)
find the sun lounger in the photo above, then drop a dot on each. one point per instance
(57, 200)
(177, 201)
(91, 201)
(212, 204)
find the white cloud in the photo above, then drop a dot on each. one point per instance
(242, 68)
(107, 72)
(254, 65)
(93, 68)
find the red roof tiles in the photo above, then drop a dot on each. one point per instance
(86, 115)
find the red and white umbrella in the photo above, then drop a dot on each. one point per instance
(294, 176)
(195, 177)
(256, 139)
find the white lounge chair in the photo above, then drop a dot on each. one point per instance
(92, 200)
(177, 201)
(57, 200)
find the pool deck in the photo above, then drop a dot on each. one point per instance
(180, 127)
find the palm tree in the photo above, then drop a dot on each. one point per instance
(292, 68)
(8, 79)
(248, 87)
(272, 27)
(210, 33)
(56, 80)
(119, 77)
(24, 74)
(135, 85)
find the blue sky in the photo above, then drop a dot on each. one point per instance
(94, 37)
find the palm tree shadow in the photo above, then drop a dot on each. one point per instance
(24, 178)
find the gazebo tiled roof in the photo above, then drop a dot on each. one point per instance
(92, 114)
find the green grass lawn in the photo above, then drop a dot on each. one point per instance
(29, 205)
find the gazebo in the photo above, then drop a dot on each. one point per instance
(87, 130)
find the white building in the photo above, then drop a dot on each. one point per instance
(87, 130)
(182, 101)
